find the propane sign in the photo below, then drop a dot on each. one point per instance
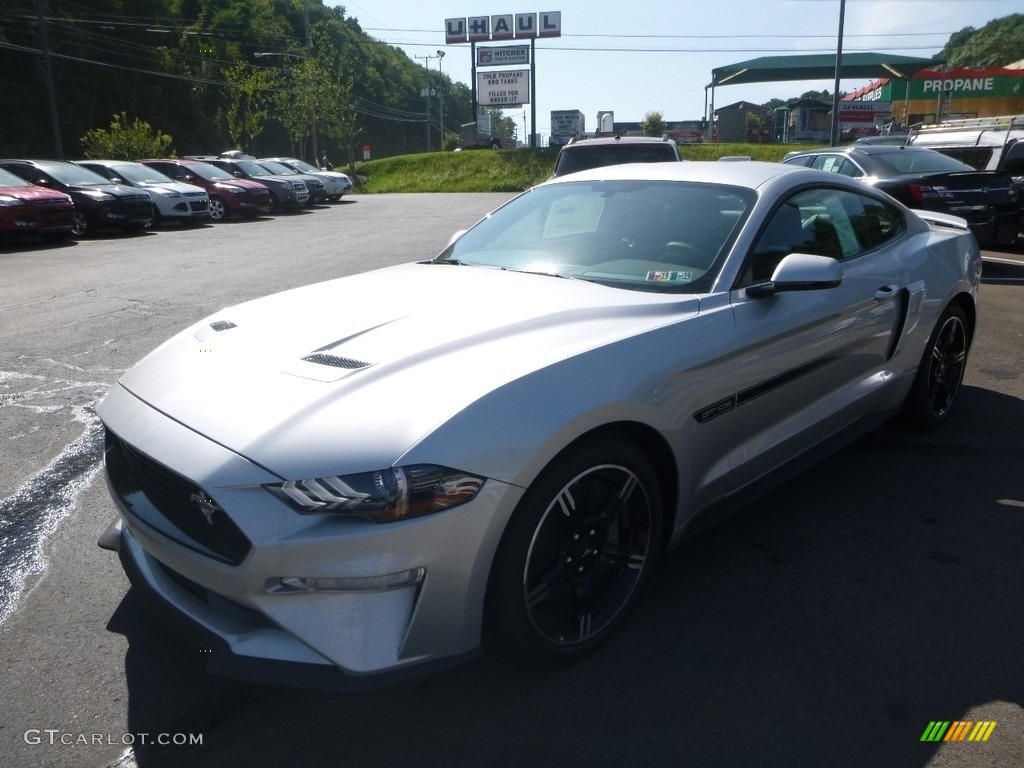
(505, 88)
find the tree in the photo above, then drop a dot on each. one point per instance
(653, 124)
(126, 141)
(998, 43)
(249, 97)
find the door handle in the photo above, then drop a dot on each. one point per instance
(887, 293)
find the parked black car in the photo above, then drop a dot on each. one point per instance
(285, 193)
(99, 204)
(927, 180)
(317, 190)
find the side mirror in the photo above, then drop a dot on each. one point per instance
(238, 174)
(116, 180)
(455, 237)
(800, 272)
(189, 177)
(42, 181)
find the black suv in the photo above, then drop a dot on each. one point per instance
(583, 154)
(99, 204)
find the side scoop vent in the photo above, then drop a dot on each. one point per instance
(222, 325)
(335, 361)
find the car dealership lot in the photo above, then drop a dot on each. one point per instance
(826, 623)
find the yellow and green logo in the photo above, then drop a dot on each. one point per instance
(958, 730)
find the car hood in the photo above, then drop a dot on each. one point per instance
(175, 186)
(33, 193)
(117, 190)
(347, 375)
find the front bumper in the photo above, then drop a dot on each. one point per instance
(356, 637)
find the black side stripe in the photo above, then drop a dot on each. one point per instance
(768, 385)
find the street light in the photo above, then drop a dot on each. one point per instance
(440, 93)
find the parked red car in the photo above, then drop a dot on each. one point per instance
(28, 209)
(228, 196)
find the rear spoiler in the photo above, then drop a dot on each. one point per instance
(943, 219)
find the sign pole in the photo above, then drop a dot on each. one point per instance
(472, 77)
(533, 92)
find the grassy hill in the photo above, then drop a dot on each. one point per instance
(510, 170)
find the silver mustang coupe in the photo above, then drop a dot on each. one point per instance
(376, 476)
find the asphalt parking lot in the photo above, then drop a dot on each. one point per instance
(827, 623)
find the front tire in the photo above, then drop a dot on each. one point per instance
(218, 209)
(80, 224)
(941, 371)
(576, 553)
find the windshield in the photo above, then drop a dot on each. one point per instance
(209, 172)
(924, 161)
(252, 168)
(280, 170)
(301, 165)
(8, 179)
(581, 157)
(74, 175)
(141, 174)
(643, 235)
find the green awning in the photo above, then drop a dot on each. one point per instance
(819, 66)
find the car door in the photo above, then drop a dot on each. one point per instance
(812, 361)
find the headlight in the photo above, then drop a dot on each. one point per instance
(100, 197)
(231, 189)
(166, 192)
(382, 496)
(6, 201)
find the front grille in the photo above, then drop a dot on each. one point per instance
(203, 206)
(172, 504)
(224, 605)
(261, 196)
(56, 218)
(134, 207)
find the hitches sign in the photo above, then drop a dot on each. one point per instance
(519, 26)
(505, 56)
(503, 88)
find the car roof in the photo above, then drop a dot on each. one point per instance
(751, 175)
(602, 140)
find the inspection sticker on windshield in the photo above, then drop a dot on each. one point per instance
(669, 276)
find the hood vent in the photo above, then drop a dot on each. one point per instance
(335, 361)
(222, 325)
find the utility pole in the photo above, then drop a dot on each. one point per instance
(309, 55)
(426, 93)
(51, 92)
(440, 95)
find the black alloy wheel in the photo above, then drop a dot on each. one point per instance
(577, 551)
(941, 372)
(80, 226)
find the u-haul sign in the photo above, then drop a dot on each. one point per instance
(503, 88)
(518, 26)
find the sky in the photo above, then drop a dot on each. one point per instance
(642, 56)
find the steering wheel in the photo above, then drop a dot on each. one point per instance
(681, 254)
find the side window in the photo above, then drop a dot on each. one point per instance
(1013, 163)
(836, 164)
(825, 222)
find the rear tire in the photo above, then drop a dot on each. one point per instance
(576, 553)
(941, 371)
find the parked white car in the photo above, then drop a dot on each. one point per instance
(336, 182)
(172, 200)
